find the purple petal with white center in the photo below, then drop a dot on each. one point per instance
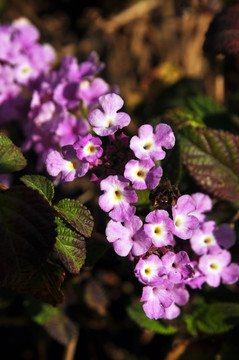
(148, 270)
(159, 228)
(203, 239)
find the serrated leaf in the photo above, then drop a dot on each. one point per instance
(70, 247)
(41, 184)
(77, 215)
(11, 157)
(212, 318)
(27, 232)
(211, 157)
(137, 314)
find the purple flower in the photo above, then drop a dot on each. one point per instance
(177, 266)
(148, 145)
(184, 222)
(66, 164)
(149, 270)
(203, 204)
(216, 267)
(159, 228)
(143, 173)
(203, 239)
(117, 198)
(156, 299)
(88, 148)
(128, 238)
(108, 121)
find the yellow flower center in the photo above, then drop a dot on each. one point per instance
(147, 146)
(147, 271)
(157, 230)
(214, 266)
(117, 194)
(207, 240)
(74, 164)
(177, 222)
(140, 173)
(91, 148)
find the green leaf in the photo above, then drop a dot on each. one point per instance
(11, 158)
(203, 105)
(211, 157)
(70, 247)
(41, 184)
(77, 215)
(137, 314)
(27, 233)
(182, 117)
(212, 318)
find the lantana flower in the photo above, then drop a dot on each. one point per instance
(184, 222)
(149, 270)
(88, 148)
(217, 266)
(117, 197)
(148, 145)
(128, 237)
(159, 228)
(66, 164)
(108, 121)
(143, 173)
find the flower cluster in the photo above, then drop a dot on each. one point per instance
(59, 109)
(19, 65)
(72, 123)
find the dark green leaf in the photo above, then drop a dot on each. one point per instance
(211, 157)
(182, 117)
(212, 318)
(45, 284)
(202, 105)
(27, 232)
(137, 314)
(11, 158)
(77, 215)
(70, 247)
(41, 184)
